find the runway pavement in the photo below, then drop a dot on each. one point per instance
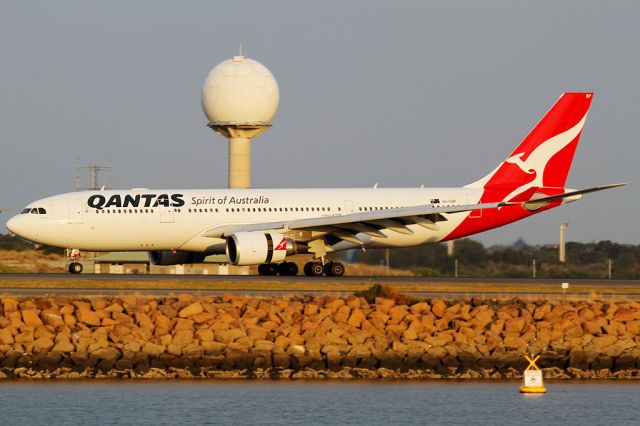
(305, 279)
(66, 284)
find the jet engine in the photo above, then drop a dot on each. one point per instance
(254, 248)
(166, 257)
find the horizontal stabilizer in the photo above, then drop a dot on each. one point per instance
(538, 202)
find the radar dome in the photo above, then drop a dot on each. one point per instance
(240, 91)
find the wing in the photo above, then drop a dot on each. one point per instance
(346, 226)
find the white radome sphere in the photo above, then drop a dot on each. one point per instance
(240, 91)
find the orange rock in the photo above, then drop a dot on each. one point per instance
(310, 309)
(9, 304)
(192, 309)
(6, 336)
(497, 326)
(257, 333)
(106, 322)
(88, 317)
(419, 308)
(514, 325)
(183, 324)
(439, 340)
(342, 314)
(514, 341)
(99, 304)
(53, 318)
(45, 331)
(574, 331)
(633, 327)
(601, 343)
(63, 347)
(182, 337)
(356, 318)
(410, 334)
(202, 317)
(165, 339)
(482, 318)
(43, 344)
(354, 302)
(174, 349)
(438, 307)
(397, 314)
(31, 318)
(24, 337)
(383, 305)
(204, 334)
(210, 346)
(334, 305)
(152, 349)
(67, 309)
(109, 354)
(227, 336)
(624, 315)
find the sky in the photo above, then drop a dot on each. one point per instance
(400, 93)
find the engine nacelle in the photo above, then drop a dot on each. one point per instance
(166, 257)
(254, 248)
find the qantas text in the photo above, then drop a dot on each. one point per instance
(138, 200)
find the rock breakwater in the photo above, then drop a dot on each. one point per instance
(324, 337)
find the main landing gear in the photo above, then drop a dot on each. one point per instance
(284, 268)
(311, 269)
(330, 269)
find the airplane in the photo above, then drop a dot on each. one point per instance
(264, 226)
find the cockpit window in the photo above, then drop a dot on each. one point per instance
(27, 210)
(41, 210)
(34, 211)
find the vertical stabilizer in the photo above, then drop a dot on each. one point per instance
(544, 157)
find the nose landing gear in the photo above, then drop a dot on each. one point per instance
(75, 267)
(73, 257)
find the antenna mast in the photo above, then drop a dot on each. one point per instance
(94, 174)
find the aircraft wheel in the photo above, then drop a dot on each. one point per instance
(269, 269)
(288, 268)
(75, 267)
(262, 270)
(307, 269)
(316, 270)
(334, 269)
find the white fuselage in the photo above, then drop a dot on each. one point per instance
(147, 220)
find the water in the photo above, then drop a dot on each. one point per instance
(361, 402)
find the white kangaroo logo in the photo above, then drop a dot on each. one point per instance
(537, 161)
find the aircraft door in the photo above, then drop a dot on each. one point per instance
(75, 212)
(166, 214)
(348, 207)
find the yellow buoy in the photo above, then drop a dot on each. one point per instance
(532, 379)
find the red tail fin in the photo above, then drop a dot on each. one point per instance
(544, 157)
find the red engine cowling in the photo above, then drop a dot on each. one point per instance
(254, 248)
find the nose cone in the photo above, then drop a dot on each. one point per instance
(12, 225)
(17, 225)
